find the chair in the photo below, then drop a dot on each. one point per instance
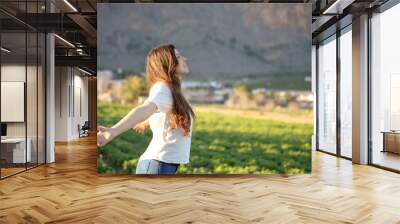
(84, 130)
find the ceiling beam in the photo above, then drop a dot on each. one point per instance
(86, 27)
(49, 22)
(337, 7)
(81, 61)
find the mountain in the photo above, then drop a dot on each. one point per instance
(228, 41)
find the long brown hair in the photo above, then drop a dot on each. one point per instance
(161, 66)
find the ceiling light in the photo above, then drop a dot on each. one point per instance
(79, 51)
(5, 50)
(70, 5)
(86, 72)
(338, 6)
(64, 40)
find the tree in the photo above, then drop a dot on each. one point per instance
(241, 90)
(289, 97)
(133, 87)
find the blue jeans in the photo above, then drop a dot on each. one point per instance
(152, 166)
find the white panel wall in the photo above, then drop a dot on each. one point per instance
(71, 93)
(61, 103)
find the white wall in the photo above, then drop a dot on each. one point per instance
(33, 127)
(12, 73)
(80, 96)
(61, 103)
(70, 83)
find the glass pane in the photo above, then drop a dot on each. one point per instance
(14, 6)
(327, 96)
(313, 88)
(31, 97)
(346, 94)
(23, 89)
(386, 89)
(41, 98)
(13, 80)
(31, 86)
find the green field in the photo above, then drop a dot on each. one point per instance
(220, 144)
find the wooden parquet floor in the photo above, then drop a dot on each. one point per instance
(70, 191)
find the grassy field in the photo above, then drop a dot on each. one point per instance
(221, 143)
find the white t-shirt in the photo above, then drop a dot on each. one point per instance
(169, 146)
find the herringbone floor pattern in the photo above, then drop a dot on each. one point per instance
(70, 191)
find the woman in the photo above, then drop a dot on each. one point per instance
(165, 111)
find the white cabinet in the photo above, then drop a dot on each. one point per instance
(18, 145)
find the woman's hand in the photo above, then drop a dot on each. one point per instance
(141, 127)
(134, 117)
(104, 135)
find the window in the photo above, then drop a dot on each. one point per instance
(385, 88)
(346, 92)
(327, 95)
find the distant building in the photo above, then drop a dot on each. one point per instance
(103, 78)
(204, 96)
(196, 84)
(272, 98)
(204, 92)
(258, 90)
(112, 92)
(305, 100)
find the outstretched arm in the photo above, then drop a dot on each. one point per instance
(141, 127)
(134, 117)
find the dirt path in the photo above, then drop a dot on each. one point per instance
(285, 116)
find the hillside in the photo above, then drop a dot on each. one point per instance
(221, 41)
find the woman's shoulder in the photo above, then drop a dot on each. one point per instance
(160, 86)
(160, 89)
